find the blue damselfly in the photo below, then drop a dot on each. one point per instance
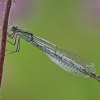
(68, 61)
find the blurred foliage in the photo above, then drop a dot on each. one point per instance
(73, 25)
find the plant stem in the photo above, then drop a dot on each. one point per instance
(4, 35)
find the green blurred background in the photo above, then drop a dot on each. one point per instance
(71, 24)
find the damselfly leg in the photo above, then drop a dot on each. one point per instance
(16, 42)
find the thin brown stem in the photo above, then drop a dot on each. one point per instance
(4, 35)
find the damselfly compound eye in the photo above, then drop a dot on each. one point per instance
(13, 28)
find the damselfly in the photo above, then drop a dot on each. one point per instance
(68, 61)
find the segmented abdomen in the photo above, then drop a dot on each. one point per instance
(70, 62)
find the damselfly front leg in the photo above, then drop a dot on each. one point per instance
(16, 42)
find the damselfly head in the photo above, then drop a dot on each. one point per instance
(13, 28)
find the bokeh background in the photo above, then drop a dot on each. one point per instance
(70, 24)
